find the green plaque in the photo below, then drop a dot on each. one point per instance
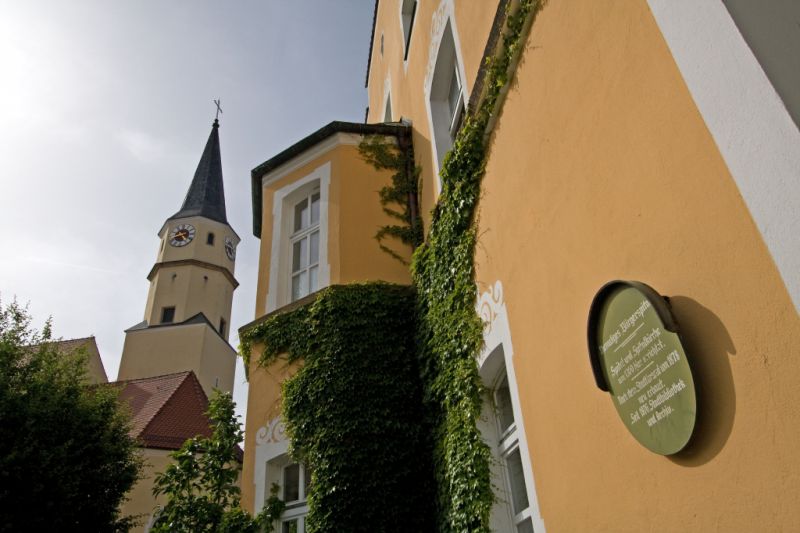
(638, 357)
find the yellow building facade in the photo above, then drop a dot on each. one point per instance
(316, 213)
(641, 140)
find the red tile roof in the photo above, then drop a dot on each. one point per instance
(166, 410)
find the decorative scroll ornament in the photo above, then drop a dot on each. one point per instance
(274, 431)
(438, 22)
(489, 305)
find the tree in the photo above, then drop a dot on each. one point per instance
(201, 484)
(66, 456)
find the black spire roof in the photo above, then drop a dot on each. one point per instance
(206, 196)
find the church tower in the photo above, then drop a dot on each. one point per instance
(188, 311)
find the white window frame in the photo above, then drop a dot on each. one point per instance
(495, 360)
(300, 235)
(443, 25)
(407, 22)
(387, 98)
(284, 200)
(506, 442)
(295, 509)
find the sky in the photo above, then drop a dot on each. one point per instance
(106, 108)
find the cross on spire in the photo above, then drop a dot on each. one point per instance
(219, 109)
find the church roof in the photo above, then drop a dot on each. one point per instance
(166, 410)
(206, 195)
(95, 369)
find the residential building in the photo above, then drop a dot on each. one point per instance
(650, 141)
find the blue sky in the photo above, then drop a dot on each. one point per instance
(106, 107)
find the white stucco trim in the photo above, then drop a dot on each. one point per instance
(403, 33)
(279, 252)
(491, 308)
(271, 442)
(444, 13)
(387, 96)
(321, 148)
(747, 119)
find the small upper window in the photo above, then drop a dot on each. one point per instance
(222, 325)
(210, 239)
(407, 13)
(446, 96)
(167, 315)
(305, 246)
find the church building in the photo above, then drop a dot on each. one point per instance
(174, 359)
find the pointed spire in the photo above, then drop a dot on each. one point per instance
(206, 195)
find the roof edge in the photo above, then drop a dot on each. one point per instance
(359, 128)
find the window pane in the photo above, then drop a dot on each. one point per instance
(315, 208)
(301, 215)
(502, 397)
(291, 483)
(300, 254)
(167, 315)
(526, 526)
(518, 493)
(454, 93)
(313, 279)
(314, 245)
(299, 285)
(290, 526)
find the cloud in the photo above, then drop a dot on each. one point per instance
(141, 145)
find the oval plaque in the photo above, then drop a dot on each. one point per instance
(637, 356)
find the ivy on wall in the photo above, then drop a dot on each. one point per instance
(449, 332)
(400, 200)
(385, 405)
(353, 409)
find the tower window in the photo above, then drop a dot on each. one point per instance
(167, 315)
(210, 239)
(222, 325)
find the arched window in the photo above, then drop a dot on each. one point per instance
(210, 239)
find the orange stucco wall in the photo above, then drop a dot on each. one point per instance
(264, 397)
(473, 21)
(354, 216)
(602, 168)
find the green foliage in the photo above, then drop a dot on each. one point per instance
(449, 333)
(273, 507)
(353, 408)
(403, 192)
(355, 397)
(202, 482)
(66, 457)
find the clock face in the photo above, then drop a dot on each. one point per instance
(181, 235)
(230, 249)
